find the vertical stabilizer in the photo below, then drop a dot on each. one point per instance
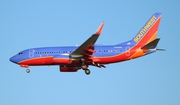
(149, 31)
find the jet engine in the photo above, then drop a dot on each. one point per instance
(68, 68)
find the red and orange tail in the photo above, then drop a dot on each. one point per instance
(149, 31)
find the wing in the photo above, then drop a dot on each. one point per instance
(87, 48)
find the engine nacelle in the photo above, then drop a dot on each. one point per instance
(68, 69)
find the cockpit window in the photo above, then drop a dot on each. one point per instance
(20, 53)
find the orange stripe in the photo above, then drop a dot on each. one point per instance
(152, 38)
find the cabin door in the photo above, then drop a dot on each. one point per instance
(31, 53)
(127, 51)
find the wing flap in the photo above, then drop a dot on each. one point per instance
(89, 50)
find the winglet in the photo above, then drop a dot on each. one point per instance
(99, 30)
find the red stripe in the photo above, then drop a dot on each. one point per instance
(38, 61)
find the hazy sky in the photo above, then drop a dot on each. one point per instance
(150, 80)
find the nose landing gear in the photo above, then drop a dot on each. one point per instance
(27, 70)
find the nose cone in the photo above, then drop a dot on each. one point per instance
(13, 59)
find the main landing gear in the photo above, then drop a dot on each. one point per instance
(87, 71)
(85, 68)
(27, 70)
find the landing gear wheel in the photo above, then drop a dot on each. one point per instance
(28, 71)
(87, 71)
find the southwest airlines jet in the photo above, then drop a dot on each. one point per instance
(74, 58)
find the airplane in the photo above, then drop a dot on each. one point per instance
(74, 58)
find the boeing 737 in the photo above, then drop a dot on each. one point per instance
(74, 58)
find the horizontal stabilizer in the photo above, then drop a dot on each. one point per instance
(152, 44)
(158, 49)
